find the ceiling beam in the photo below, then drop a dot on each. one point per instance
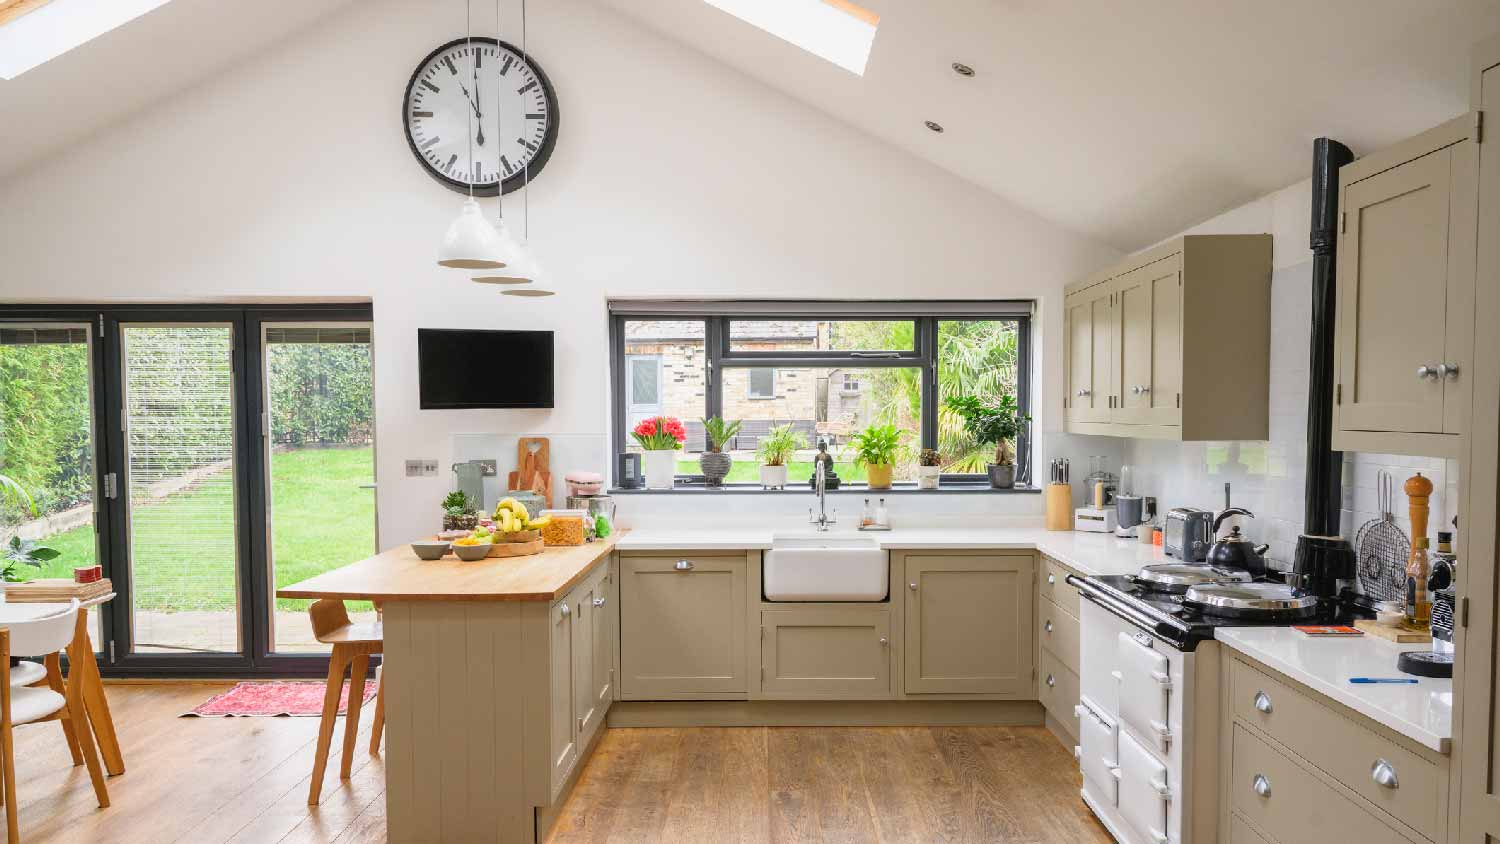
(12, 9)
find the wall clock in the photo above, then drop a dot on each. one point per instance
(449, 110)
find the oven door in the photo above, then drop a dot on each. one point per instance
(1098, 755)
(1145, 689)
(1145, 791)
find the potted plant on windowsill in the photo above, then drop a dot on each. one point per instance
(660, 437)
(775, 451)
(714, 462)
(929, 468)
(876, 448)
(997, 422)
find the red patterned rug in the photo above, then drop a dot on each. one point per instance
(279, 698)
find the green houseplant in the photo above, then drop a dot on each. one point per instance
(929, 468)
(997, 422)
(775, 451)
(714, 462)
(876, 448)
(459, 512)
(20, 552)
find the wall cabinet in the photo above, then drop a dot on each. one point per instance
(1405, 336)
(826, 653)
(1173, 343)
(969, 623)
(682, 627)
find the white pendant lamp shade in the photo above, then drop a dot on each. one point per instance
(528, 291)
(519, 267)
(471, 242)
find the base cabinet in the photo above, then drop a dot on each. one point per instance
(969, 624)
(581, 644)
(682, 627)
(826, 653)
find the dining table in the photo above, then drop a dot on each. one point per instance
(83, 665)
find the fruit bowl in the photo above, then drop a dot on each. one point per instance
(471, 553)
(429, 550)
(519, 536)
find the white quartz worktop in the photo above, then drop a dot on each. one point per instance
(1422, 711)
(1089, 553)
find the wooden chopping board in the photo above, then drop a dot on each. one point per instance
(533, 467)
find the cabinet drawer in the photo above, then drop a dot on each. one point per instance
(1340, 747)
(1058, 633)
(1055, 586)
(826, 653)
(1057, 689)
(1292, 804)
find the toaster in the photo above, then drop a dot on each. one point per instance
(1188, 534)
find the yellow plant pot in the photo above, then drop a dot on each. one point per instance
(879, 475)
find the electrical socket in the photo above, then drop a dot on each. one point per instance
(421, 468)
(429, 468)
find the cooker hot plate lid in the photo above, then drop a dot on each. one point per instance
(1250, 600)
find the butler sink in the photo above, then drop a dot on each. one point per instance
(825, 568)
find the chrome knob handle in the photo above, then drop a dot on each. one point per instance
(1085, 393)
(1051, 580)
(884, 640)
(912, 586)
(1048, 626)
(1261, 785)
(598, 602)
(1135, 389)
(1424, 371)
(1145, 388)
(683, 565)
(565, 610)
(1051, 681)
(1384, 774)
(1262, 702)
(1447, 370)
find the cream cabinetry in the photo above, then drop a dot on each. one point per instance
(682, 626)
(581, 644)
(1173, 343)
(1299, 767)
(1058, 639)
(826, 653)
(968, 619)
(1406, 265)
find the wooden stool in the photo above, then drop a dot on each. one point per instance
(352, 646)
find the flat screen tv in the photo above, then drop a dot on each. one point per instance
(472, 368)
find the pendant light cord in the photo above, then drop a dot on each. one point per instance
(526, 165)
(499, 128)
(469, 113)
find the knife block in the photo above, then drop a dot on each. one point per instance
(1059, 506)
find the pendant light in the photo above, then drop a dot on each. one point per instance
(471, 243)
(521, 264)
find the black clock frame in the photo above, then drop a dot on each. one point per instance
(511, 183)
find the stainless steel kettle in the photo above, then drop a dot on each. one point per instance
(1235, 550)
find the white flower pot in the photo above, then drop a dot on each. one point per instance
(927, 476)
(660, 467)
(773, 477)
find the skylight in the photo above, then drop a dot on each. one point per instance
(53, 27)
(836, 30)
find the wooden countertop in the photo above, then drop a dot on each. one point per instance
(397, 575)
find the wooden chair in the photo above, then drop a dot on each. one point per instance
(352, 646)
(45, 637)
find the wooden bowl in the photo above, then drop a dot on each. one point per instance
(519, 536)
(517, 549)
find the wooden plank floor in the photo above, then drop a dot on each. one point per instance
(244, 780)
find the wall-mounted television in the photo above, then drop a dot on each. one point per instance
(474, 368)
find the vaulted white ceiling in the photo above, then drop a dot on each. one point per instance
(169, 49)
(1124, 121)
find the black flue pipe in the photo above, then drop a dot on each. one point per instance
(1324, 465)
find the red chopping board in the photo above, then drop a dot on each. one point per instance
(533, 467)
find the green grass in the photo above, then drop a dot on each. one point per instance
(183, 545)
(747, 471)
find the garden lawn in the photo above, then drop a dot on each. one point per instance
(184, 544)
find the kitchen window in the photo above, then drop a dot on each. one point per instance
(826, 369)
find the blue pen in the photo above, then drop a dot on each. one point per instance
(1371, 681)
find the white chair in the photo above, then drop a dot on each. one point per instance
(46, 637)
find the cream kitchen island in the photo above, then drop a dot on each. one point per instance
(498, 675)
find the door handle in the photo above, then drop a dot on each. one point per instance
(884, 641)
(1051, 580)
(1447, 370)
(565, 610)
(1048, 626)
(1384, 774)
(1262, 702)
(1424, 372)
(1051, 681)
(598, 602)
(683, 565)
(912, 586)
(1261, 785)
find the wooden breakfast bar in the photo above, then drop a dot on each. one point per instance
(497, 677)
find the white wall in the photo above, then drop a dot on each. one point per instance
(1269, 477)
(289, 177)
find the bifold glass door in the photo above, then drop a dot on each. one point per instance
(203, 456)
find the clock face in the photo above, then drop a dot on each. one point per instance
(478, 115)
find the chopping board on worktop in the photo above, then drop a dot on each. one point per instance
(533, 467)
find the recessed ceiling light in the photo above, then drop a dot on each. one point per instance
(935, 126)
(962, 69)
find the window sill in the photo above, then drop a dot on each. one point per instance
(849, 489)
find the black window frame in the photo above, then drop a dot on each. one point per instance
(718, 355)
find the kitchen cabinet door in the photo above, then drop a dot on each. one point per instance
(1090, 350)
(564, 736)
(682, 627)
(585, 703)
(969, 624)
(839, 654)
(604, 625)
(1148, 308)
(1392, 297)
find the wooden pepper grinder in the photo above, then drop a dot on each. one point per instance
(1419, 565)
